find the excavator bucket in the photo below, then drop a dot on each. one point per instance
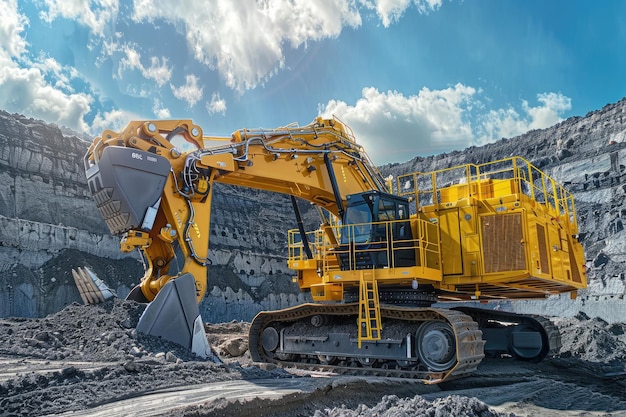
(174, 315)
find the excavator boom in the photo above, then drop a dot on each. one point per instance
(153, 182)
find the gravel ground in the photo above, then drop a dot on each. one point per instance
(86, 357)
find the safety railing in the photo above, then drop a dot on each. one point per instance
(296, 249)
(511, 176)
(390, 244)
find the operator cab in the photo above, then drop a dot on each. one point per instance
(375, 228)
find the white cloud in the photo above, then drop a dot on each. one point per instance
(95, 14)
(158, 70)
(506, 123)
(12, 24)
(114, 120)
(390, 11)
(189, 92)
(25, 90)
(549, 113)
(216, 105)
(159, 111)
(392, 127)
(61, 75)
(245, 40)
(131, 60)
(109, 47)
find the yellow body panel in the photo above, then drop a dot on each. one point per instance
(512, 236)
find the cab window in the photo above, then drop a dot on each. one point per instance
(357, 224)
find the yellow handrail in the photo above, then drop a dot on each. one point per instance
(493, 179)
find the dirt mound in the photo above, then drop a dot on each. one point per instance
(84, 356)
(393, 406)
(105, 332)
(593, 340)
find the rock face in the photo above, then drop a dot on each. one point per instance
(49, 223)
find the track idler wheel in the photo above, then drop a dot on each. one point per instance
(527, 343)
(270, 340)
(436, 345)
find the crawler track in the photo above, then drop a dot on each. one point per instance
(547, 331)
(468, 342)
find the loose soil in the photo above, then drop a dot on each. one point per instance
(89, 360)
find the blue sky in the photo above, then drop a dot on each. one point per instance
(410, 78)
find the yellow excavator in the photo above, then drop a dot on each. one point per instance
(387, 257)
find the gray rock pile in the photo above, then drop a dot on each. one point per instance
(592, 339)
(393, 406)
(101, 333)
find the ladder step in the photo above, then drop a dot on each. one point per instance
(369, 307)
